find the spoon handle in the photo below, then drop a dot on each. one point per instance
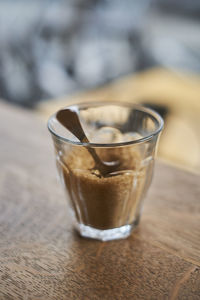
(70, 120)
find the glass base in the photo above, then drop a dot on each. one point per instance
(108, 234)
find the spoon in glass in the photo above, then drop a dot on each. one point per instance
(69, 118)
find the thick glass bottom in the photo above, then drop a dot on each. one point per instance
(108, 234)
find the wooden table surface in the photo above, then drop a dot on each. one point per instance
(42, 257)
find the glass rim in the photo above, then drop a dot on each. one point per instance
(138, 107)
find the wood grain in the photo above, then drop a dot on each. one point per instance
(42, 257)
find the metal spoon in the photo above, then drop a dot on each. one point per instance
(68, 117)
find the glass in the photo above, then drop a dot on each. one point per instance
(107, 207)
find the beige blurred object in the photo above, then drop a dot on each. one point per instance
(178, 92)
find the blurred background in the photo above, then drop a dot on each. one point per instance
(147, 51)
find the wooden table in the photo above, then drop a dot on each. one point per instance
(42, 257)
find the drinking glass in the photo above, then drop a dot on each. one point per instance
(107, 207)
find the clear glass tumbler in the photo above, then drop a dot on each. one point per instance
(108, 206)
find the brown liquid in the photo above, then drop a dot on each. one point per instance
(105, 202)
